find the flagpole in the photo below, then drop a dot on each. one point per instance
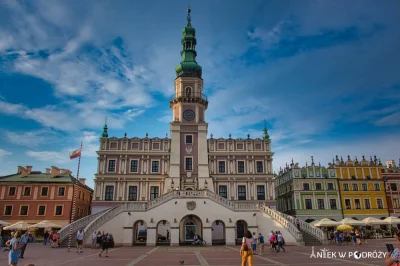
(74, 200)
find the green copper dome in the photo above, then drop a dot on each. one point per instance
(188, 67)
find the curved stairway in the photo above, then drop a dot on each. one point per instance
(95, 221)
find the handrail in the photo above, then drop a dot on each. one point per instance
(306, 227)
(283, 221)
(188, 95)
(78, 224)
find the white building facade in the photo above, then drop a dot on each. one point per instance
(165, 190)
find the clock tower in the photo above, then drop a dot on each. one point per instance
(189, 155)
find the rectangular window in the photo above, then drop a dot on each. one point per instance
(23, 211)
(347, 203)
(132, 193)
(240, 146)
(109, 193)
(395, 203)
(11, 191)
(156, 146)
(61, 191)
(111, 166)
(367, 204)
(260, 167)
(153, 193)
(377, 187)
(79, 195)
(379, 203)
(355, 187)
(260, 192)
(154, 166)
(240, 166)
(221, 167)
(318, 186)
(306, 186)
(59, 210)
(27, 191)
(346, 187)
(393, 187)
(330, 186)
(321, 205)
(41, 210)
(134, 166)
(357, 203)
(189, 139)
(258, 146)
(8, 210)
(189, 164)
(223, 191)
(364, 187)
(221, 146)
(241, 192)
(332, 203)
(135, 146)
(45, 191)
(308, 204)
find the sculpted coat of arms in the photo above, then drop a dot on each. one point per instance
(189, 149)
(191, 205)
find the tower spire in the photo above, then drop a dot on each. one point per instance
(265, 135)
(188, 66)
(105, 130)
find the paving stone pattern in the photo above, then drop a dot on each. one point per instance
(40, 255)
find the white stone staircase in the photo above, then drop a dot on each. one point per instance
(95, 221)
(307, 228)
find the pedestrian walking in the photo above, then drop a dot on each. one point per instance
(105, 243)
(24, 242)
(45, 237)
(15, 245)
(79, 239)
(246, 249)
(261, 239)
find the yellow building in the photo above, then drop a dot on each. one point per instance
(361, 187)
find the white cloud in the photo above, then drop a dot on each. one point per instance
(4, 152)
(31, 138)
(390, 120)
(49, 156)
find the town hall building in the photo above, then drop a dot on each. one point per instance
(166, 190)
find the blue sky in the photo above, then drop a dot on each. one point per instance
(324, 74)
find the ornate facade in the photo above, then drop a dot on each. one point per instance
(391, 177)
(166, 189)
(309, 192)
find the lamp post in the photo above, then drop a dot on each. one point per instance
(385, 179)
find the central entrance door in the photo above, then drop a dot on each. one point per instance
(190, 231)
(189, 226)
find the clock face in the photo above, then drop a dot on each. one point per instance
(188, 115)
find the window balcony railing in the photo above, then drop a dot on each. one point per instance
(189, 97)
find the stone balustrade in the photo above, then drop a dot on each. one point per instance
(78, 224)
(293, 230)
(306, 227)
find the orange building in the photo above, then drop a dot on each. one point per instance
(33, 196)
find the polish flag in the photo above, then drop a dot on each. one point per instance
(74, 154)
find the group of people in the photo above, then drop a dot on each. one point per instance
(102, 240)
(249, 245)
(52, 238)
(354, 235)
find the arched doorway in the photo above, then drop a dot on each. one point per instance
(240, 228)
(190, 226)
(218, 233)
(163, 233)
(188, 188)
(139, 233)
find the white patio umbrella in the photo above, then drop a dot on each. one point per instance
(45, 224)
(374, 221)
(3, 223)
(392, 220)
(351, 221)
(326, 222)
(17, 226)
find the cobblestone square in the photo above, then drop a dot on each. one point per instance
(40, 255)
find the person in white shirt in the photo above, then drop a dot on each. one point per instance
(24, 242)
(79, 238)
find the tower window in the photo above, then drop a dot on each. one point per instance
(111, 166)
(109, 195)
(188, 91)
(189, 139)
(189, 163)
(154, 166)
